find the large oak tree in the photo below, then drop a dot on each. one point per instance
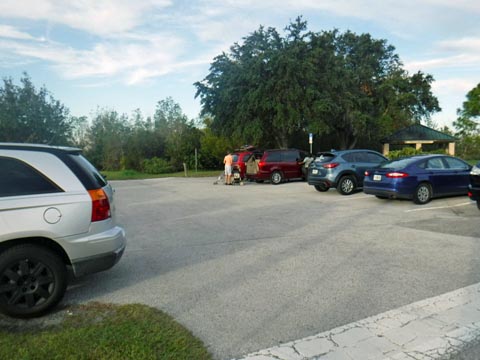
(353, 87)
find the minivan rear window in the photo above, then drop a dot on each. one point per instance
(86, 172)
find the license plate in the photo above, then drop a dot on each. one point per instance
(315, 171)
(377, 177)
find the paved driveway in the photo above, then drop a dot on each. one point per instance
(249, 267)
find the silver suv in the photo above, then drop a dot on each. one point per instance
(56, 216)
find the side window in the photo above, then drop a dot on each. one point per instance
(349, 157)
(422, 165)
(290, 156)
(362, 157)
(375, 158)
(435, 163)
(456, 164)
(18, 178)
(274, 156)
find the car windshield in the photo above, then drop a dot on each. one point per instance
(397, 164)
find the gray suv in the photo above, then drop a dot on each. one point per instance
(56, 216)
(343, 170)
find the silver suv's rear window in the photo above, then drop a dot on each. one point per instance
(86, 172)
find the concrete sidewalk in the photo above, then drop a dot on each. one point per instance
(435, 328)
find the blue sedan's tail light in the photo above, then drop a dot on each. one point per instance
(396, 174)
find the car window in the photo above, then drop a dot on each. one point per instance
(235, 157)
(350, 157)
(18, 178)
(361, 157)
(85, 172)
(435, 163)
(456, 164)
(398, 164)
(422, 165)
(324, 158)
(246, 157)
(374, 158)
(290, 156)
(274, 156)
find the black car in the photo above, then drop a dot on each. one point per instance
(343, 169)
(474, 187)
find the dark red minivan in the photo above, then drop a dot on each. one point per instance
(240, 158)
(279, 165)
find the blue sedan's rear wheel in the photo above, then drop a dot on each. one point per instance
(423, 194)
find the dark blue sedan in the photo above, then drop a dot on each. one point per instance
(419, 178)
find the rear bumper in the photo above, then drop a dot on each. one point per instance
(317, 180)
(390, 194)
(474, 193)
(116, 239)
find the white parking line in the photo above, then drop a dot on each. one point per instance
(439, 207)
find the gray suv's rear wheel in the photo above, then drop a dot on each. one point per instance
(322, 187)
(346, 185)
(32, 280)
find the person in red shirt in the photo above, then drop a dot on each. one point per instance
(228, 160)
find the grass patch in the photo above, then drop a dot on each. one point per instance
(132, 174)
(100, 332)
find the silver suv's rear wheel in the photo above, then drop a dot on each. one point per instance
(32, 280)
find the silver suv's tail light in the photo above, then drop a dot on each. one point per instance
(100, 205)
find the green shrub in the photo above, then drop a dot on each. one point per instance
(410, 151)
(156, 165)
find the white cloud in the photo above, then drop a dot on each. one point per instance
(458, 53)
(453, 86)
(101, 17)
(12, 33)
(114, 58)
(466, 44)
(455, 61)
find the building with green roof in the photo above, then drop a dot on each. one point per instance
(419, 135)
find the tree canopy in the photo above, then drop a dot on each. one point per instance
(272, 87)
(31, 115)
(468, 115)
(467, 126)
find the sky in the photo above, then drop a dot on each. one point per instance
(129, 54)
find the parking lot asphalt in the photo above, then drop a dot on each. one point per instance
(251, 267)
